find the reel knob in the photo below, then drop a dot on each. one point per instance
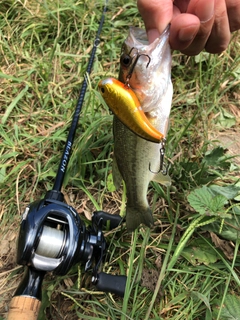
(110, 283)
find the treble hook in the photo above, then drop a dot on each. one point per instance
(128, 60)
(162, 168)
(134, 64)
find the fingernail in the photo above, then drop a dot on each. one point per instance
(152, 35)
(187, 34)
(206, 12)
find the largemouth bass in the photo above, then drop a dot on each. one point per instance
(146, 68)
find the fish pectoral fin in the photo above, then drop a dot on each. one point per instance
(117, 177)
(162, 179)
(137, 215)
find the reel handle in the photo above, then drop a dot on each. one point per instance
(109, 220)
(111, 283)
(23, 308)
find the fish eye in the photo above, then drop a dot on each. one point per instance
(125, 60)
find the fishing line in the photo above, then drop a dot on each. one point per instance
(68, 145)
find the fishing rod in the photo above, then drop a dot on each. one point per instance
(53, 238)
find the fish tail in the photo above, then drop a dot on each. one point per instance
(136, 216)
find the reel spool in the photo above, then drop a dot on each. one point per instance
(51, 242)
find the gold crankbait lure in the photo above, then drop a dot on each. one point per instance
(123, 102)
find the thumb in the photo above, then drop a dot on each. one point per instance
(156, 15)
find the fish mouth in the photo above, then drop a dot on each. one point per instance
(150, 75)
(145, 62)
(139, 36)
(138, 39)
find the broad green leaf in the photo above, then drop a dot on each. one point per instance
(238, 197)
(198, 252)
(232, 303)
(213, 156)
(229, 192)
(217, 203)
(236, 210)
(204, 201)
(199, 199)
(217, 158)
(229, 231)
(226, 119)
(230, 309)
(198, 172)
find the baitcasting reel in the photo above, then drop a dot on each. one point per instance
(53, 238)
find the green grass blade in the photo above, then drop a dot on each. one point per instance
(13, 104)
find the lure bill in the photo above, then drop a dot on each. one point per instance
(125, 105)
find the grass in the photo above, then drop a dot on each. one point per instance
(180, 269)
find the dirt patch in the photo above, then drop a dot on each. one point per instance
(8, 251)
(8, 267)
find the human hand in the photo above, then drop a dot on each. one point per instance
(195, 24)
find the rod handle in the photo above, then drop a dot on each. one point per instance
(24, 308)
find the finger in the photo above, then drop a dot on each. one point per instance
(233, 10)
(220, 34)
(184, 28)
(182, 5)
(204, 11)
(156, 15)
